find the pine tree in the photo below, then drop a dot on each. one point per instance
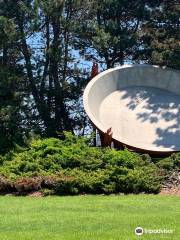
(110, 30)
(45, 39)
(160, 34)
(11, 120)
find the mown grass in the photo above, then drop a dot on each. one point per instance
(88, 217)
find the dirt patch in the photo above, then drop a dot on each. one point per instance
(35, 194)
(170, 191)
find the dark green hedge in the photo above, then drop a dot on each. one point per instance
(72, 166)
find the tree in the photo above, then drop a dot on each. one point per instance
(54, 81)
(110, 27)
(11, 121)
(160, 34)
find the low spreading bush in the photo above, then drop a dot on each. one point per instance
(72, 166)
(170, 163)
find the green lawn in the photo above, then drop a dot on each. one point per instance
(88, 217)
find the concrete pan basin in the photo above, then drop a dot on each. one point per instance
(141, 103)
